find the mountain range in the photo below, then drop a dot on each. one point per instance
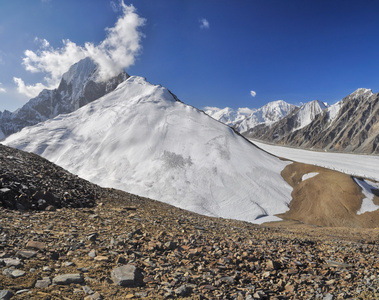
(78, 87)
(351, 125)
(243, 119)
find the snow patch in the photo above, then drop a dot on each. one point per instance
(308, 176)
(367, 188)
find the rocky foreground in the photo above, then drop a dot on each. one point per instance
(131, 247)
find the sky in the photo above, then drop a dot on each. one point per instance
(208, 52)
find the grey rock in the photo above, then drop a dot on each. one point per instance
(127, 275)
(18, 273)
(92, 253)
(68, 279)
(26, 253)
(12, 262)
(5, 294)
(44, 283)
(328, 297)
(88, 290)
(183, 291)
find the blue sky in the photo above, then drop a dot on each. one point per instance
(209, 53)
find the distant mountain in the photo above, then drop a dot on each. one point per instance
(267, 114)
(228, 115)
(140, 138)
(243, 119)
(351, 125)
(78, 87)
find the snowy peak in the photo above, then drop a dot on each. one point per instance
(243, 119)
(361, 92)
(228, 115)
(307, 113)
(78, 87)
(79, 73)
(267, 114)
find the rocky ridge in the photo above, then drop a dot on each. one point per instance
(28, 181)
(78, 87)
(129, 247)
(348, 126)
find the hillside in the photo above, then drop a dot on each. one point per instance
(141, 139)
(73, 253)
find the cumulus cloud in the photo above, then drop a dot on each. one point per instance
(29, 90)
(2, 90)
(253, 93)
(204, 24)
(117, 51)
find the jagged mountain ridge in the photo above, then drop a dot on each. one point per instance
(141, 139)
(351, 125)
(243, 119)
(78, 87)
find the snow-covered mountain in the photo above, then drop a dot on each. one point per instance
(267, 114)
(228, 115)
(78, 87)
(243, 119)
(140, 138)
(350, 125)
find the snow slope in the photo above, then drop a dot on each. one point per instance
(141, 139)
(353, 164)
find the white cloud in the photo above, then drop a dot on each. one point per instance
(253, 93)
(116, 52)
(29, 90)
(204, 24)
(2, 90)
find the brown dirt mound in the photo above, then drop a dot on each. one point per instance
(329, 199)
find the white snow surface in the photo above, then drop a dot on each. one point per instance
(367, 188)
(139, 139)
(309, 175)
(353, 164)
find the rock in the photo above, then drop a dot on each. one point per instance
(94, 296)
(68, 279)
(183, 291)
(17, 273)
(127, 275)
(92, 253)
(170, 245)
(36, 245)
(12, 262)
(101, 258)
(88, 290)
(44, 283)
(328, 297)
(50, 208)
(5, 294)
(26, 253)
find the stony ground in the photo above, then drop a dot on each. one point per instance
(128, 247)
